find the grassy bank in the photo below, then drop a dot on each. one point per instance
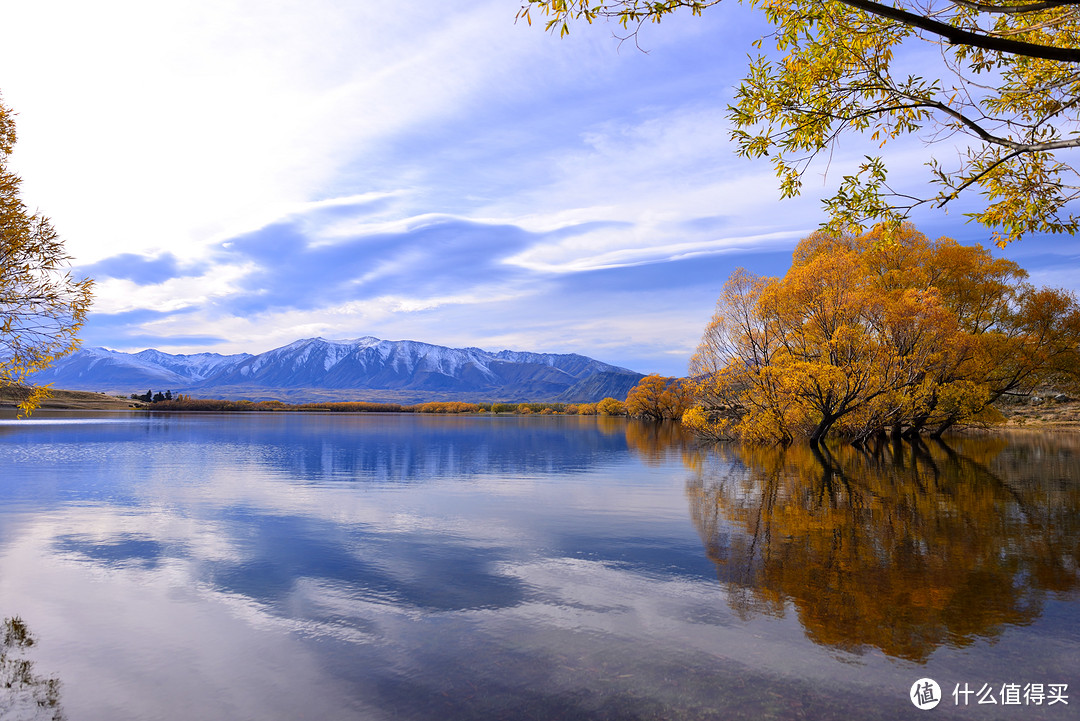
(442, 407)
(1046, 414)
(85, 400)
(73, 400)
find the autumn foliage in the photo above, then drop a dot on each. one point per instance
(658, 398)
(608, 406)
(875, 333)
(611, 407)
(997, 93)
(42, 307)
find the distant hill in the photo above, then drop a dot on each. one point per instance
(599, 386)
(108, 371)
(363, 369)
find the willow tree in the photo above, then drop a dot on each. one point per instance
(998, 93)
(878, 333)
(42, 307)
(656, 398)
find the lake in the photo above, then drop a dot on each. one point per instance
(289, 566)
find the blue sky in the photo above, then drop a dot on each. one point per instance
(237, 174)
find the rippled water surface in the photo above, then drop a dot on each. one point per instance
(288, 566)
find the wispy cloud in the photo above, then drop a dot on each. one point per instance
(238, 174)
(146, 127)
(143, 269)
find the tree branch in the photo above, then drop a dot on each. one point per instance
(1014, 9)
(957, 36)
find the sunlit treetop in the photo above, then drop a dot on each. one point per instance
(996, 99)
(863, 338)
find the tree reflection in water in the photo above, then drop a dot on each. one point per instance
(652, 442)
(903, 548)
(24, 696)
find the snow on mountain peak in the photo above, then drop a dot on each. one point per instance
(366, 362)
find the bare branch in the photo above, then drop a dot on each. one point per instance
(957, 36)
(1015, 9)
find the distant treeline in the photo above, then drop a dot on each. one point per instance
(608, 407)
(653, 398)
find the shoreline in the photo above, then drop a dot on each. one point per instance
(1047, 416)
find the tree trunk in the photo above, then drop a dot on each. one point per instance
(917, 424)
(819, 433)
(946, 425)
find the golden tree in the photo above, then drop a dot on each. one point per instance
(876, 333)
(611, 407)
(41, 306)
(656, 398)
(998, 89)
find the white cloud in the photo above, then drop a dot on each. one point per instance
(620, 247)
(119, 295)
(385, 315)
(166, 127)
(166, 131)
(654, 175)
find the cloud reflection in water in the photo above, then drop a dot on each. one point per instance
(402, 567)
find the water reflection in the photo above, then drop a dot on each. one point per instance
(394, 448)
(25, 695)
(654, 443)
(418, 571)
(905, 548)
(393, 567)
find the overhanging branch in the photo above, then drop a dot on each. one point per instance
(1014, 9)
(957, 36)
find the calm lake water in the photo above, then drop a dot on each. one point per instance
(289, 566)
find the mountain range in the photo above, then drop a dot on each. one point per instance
(316, 369)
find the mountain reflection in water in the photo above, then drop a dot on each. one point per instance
(392, 567)
(905, 548)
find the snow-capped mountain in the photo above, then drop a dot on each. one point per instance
(113, 371)
(405, 368)
(198, 366)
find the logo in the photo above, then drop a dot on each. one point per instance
(925, 693)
